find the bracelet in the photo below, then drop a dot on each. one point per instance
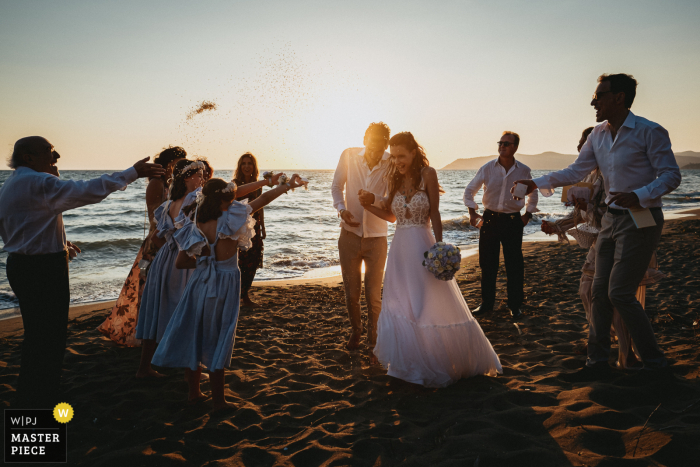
(340, 213)
(269, 182)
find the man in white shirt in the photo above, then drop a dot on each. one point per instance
(635, 158)
(362, 235)
(501, 223)
(32, 201)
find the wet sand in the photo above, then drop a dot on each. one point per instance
(304, 400)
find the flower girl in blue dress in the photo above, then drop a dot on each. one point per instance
(164, 283)
(203, 326)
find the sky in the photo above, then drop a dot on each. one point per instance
(296, 82)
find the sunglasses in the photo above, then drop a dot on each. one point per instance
(504, 143)
(597, 95)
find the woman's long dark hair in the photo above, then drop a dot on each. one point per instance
(394, 177)
(238, 177)
(211, 206)
(167, 156)
(178, 188)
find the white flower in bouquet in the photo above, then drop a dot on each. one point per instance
(443, 260)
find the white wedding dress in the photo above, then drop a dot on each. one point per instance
(426, 333)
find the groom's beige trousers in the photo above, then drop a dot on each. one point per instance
(353, 251)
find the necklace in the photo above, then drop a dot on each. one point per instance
(406, 193)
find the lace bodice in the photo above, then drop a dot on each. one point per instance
(415, 213)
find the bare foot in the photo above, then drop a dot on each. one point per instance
(248, 302)
(151, 373)
(194, 398)
(354, 341)
(225, 405)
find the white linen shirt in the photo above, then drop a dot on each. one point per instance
(351, 176)
(31, 204)
(497, 184)
(639, 160)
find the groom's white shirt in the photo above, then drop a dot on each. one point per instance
(352, 175)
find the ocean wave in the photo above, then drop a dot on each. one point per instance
(462, 223)
(119, 244)
(303, 263)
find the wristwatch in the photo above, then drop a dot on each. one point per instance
(340, 213)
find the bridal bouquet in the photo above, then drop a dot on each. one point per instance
(443, 260)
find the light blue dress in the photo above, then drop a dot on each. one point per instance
(202, 329)
(164, 282)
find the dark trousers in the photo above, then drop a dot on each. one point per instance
(40, 283)
(497, 229)
(622, 257)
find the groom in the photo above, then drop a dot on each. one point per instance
(362, 235)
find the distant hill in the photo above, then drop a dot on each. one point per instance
(552, 161)
(691, 167)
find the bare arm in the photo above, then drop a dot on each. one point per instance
(432, 187)
(380, 213)
(270, 195)
(243, 190)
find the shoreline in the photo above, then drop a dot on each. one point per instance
(13, 324)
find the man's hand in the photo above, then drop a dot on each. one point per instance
(263, 234)
(474, 217)
(73, 250)
(548, 228)
(531, 186)
(366, 198)
(349, 219)
(144, 169)
(526, 218)
(625, 200)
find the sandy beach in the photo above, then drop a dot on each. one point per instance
(304, 400)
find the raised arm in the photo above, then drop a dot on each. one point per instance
(243, 190)
(270, 195)
(432, 187)
(582, 166)
(62, 195)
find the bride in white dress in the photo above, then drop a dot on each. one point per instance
(426, 333)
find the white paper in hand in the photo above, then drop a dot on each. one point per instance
(520, 190)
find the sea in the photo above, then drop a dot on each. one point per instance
(302, 230)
